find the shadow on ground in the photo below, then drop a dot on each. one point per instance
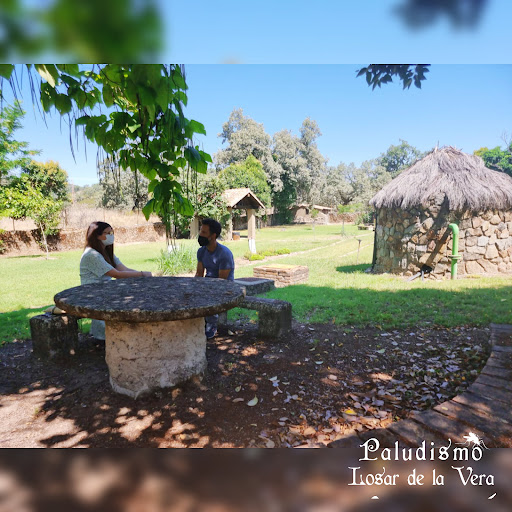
(70, 402)
(348, 269)
(15, 324)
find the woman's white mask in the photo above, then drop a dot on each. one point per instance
(109, 240)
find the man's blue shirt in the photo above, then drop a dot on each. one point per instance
(220, 259)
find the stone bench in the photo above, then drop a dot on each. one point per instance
(255, 285)
(282, 275)
(54, 335)
(274, 316)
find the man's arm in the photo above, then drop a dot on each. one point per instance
(200, 269)
(224, 274)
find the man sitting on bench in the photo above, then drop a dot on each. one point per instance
(216, 259)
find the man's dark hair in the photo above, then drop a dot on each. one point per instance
(214, 226)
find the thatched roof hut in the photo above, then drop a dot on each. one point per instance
(463, 179)
(414, 210)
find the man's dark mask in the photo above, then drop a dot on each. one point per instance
(203, 241)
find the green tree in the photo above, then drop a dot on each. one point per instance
(246, 137)
(12, 202)
(90, 195)
(367, 180)
(22, 199)
(144, 128)
(312, 179)
(49, 178)
(207, 201)
(249, 174)
(92, 31)
(497, 158)
(398, 158)
(13, 154)
(378, 74)
(303, 170)
(121, 188)
(337, 189)
(421, 13)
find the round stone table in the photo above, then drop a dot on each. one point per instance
(154, 326)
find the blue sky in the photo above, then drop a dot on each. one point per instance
(467, 106)
(326, 32)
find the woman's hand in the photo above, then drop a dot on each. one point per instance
(147, 274)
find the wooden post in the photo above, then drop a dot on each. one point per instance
(194, 227)
(251, 230)
(229, 227)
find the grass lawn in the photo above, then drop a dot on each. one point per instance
(338, 290)
(28, 283)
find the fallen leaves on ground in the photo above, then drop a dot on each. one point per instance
(310, 388)
(366, 381)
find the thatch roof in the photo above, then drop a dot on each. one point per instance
(242, 198)
(464, 180)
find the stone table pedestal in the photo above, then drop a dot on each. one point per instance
(155, 335)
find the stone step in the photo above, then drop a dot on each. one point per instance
(495, 408)
(449, 428)
(500, 431)
(491, 393)
(413, 433)
(496, 371)
(494, 382)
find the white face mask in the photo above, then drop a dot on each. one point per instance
(109, 240)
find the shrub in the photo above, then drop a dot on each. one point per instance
(263, 254)
(351, 208)
(180, 260)
(253, 257)
(366, 217)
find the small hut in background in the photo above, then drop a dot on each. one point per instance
(238, 199)
(302, 213)
(415, 209)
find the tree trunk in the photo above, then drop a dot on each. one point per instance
(44, 241)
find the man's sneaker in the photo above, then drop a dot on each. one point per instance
(210, 333)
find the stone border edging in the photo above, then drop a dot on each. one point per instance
(484, 409)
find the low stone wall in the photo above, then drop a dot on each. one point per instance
(283, 275)
(21, 243)
(406, 240)
(343, 217)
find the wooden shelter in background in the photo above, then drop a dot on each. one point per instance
(243, 199)
(302, 213)
(237, 199)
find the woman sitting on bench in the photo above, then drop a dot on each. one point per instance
(99, 264)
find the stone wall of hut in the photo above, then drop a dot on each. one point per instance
(406, 240)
